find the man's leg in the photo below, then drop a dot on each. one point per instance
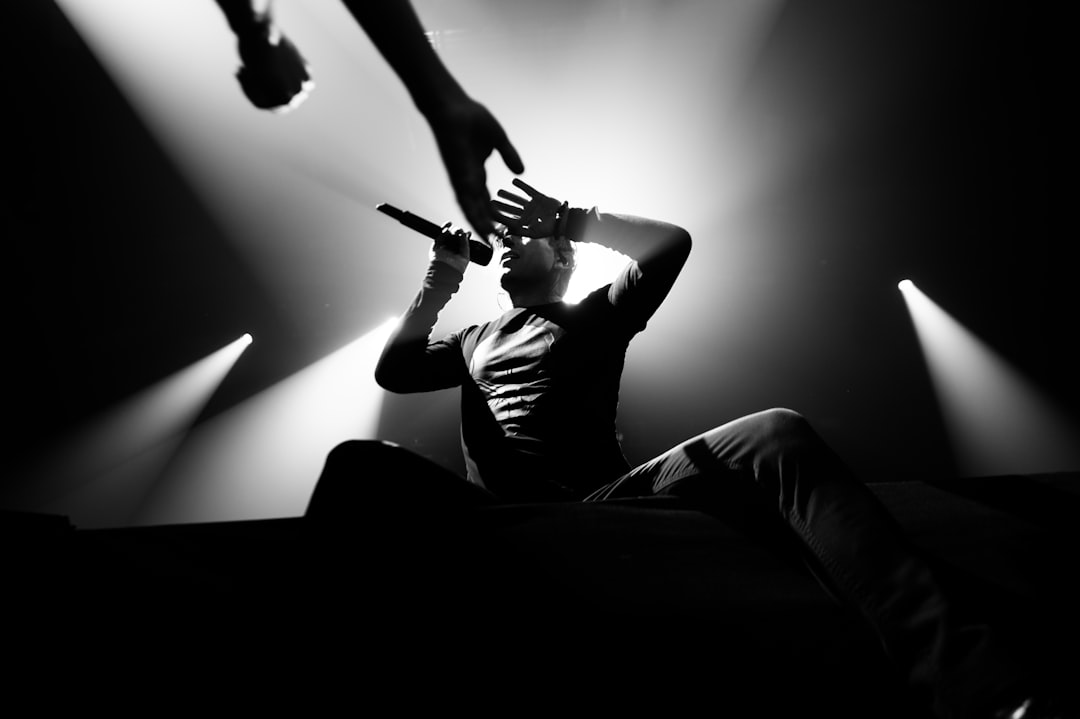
(362, 479)
(388, 549)
(852, 545)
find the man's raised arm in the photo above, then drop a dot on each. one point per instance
(410, 361)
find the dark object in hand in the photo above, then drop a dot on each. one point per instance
(272, 74)
(479, 252)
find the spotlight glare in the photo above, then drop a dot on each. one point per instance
(99, 474)
(246, 339)
(260, 459)
(999, 422)
(905, 285)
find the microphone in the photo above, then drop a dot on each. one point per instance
(478, 251)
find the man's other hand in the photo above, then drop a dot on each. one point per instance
(535, 216)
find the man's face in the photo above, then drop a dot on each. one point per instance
(526, 259)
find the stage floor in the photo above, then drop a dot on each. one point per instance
(623, 606)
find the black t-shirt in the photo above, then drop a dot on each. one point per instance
(539, 405)
(539, 385)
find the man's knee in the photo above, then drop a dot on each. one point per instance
(341, 486)
(358, 453)
(783, 422)
(784, 431)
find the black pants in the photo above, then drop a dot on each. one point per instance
(848, 540)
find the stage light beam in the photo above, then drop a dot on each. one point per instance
(998, 421)
(261, 458)
(97, 475)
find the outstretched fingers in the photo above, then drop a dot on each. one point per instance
(506, 209)
(523, 185)
(513, 198)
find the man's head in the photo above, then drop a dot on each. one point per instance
(536, 270)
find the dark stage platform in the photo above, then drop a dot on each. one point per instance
(633, 606)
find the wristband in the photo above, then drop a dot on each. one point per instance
(562, 216)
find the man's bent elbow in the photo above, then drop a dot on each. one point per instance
(388, 382)
(681, 241)
(386, 378)
(676, 248)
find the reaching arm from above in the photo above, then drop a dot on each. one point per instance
(465, 131)
(274, 76)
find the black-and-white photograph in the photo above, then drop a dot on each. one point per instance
(515, 358)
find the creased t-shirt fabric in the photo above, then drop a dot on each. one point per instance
(539, 385)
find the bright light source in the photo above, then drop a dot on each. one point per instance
(98, 475)
(596, 266)
(998, 422)
(246, 339)
(261, 458)
(905, 285)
